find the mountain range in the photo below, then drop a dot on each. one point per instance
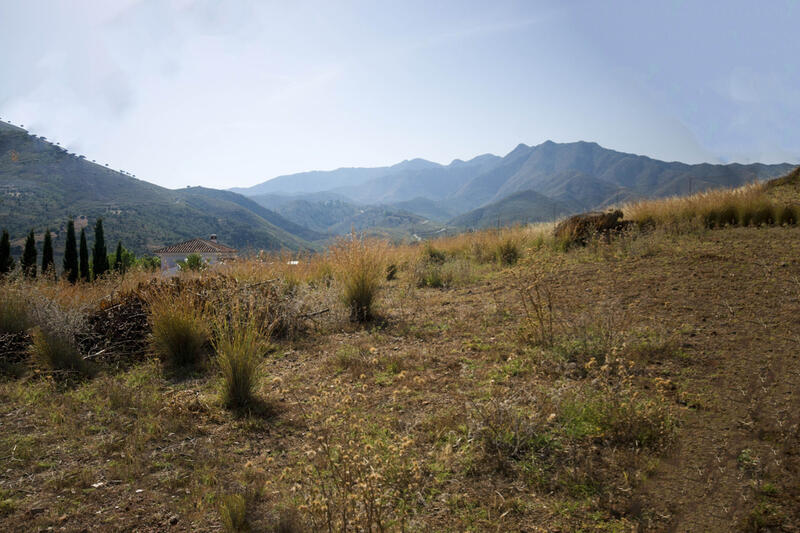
(42, 185)
(566, 178)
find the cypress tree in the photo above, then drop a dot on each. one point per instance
(6, 261)
(71, 254)
(28, 261)
(84, 258)
(118, 258)
(99, 253)
(47, 254)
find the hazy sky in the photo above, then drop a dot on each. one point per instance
(222, 94)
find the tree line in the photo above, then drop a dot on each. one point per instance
(76, 264)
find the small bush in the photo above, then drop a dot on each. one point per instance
(433, 255)
(56, 351)
(786, 215)
(359, 267)
(358, 476)
(762, 214)
(427, 274)
(233, 511)
(507, 432)
(451, 273)
(55, 333)
(726, 215)
(637, 422)
(180, 335)
(240, 344)
(354, 359)
(192, 263)
(507, 251)
(391, 272)
(14, 315)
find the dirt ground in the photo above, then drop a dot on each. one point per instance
(135, 450)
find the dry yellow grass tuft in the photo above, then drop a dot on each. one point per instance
(240, 341)
(359, 265)
(180, 331)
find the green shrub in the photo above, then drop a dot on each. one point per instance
(192, 263)
(180, 336)
(428, 274)
(433, 255)
(507, 252)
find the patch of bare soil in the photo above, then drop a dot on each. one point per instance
(734, 299)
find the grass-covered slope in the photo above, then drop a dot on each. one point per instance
(519, 208)
(291, 231)
(332, 216)
(41, 185)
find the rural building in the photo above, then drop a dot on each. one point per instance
(208, 249)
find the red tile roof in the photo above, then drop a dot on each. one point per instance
(196, 246)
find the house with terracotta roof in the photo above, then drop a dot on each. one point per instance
(209, 250)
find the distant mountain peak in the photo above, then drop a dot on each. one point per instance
(415, 164)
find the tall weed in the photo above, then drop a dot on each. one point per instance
(240, 343)
(359, 266)
(56, 351)
(14, 313)
(181, 334)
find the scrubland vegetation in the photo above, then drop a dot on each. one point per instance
(503, 380)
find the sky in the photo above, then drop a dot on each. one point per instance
(224, 94)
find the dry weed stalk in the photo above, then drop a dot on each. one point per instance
(537, 304)
(354, 477)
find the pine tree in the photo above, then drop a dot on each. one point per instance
(28, 261)
(71, 254)
(84, 258)
(99, 253)
(118, 258)
(48, 264)
(6, 261)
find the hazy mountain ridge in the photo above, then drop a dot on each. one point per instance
(42, 185)
(579, 175)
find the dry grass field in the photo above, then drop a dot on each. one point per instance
(495, 381)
